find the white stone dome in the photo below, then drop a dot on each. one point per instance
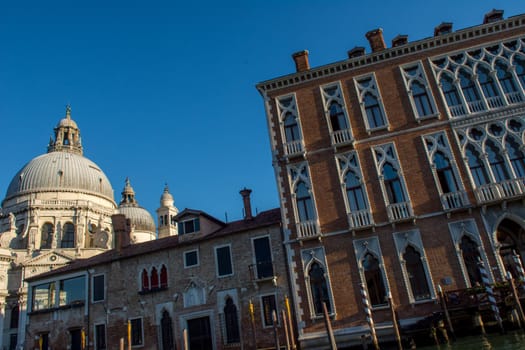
(63, 172)
(138, 217)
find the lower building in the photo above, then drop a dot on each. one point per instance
(215, 285)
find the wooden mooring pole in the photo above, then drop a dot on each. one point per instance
(444, 306)
(328, 325)
(394, 321)
(516, 299)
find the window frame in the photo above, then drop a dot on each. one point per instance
(263, 298)
(264, 263)
(103, 275)
(181, 226)
(420, 77)
(330, 100)
(141, 322)
(96, 337)
(217, 269)
(185, 254)
(373, 89)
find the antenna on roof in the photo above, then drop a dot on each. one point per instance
(226, 216)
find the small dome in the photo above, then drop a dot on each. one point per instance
(166, 199)
(60, 171)
(67, 122)
(139, 217)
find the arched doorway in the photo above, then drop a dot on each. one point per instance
(511, 237)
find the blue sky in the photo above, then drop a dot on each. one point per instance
(164, 91)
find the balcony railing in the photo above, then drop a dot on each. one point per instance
(457, 111)
(507, 189)
(307, 229)
(360, 219)
(514, 97)
(454, 200)
(293, 147)
(476, 106)
(495, 102)
(262, 270)
(342, 137)
(399, 211)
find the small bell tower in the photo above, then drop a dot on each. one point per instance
(166, 215)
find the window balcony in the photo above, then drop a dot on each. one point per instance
(342, 137)
(514, 97)
(457, 111)
(495, 102)
(262, 271)
(399, 211)
(308, 229)
(494, 192)
(293, 148)
(360, 219)
(454, 200)
(476, 106)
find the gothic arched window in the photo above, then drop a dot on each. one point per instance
(517, 160)
(476, 166)
(393, 186)
(163, 277)
(303, 199)
(166, 327)
(319, 288)
(447, 179)
(291, 129)
(497, 164)
(416, 274)
(487, 83)
(468, 87)
(374, 280)
(154, 278)
(354, 192)
(450, 91)
(469, 251)
(231, 322)
(337, 117)
(145, 280)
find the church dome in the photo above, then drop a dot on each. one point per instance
(60, 171)
(141, 220)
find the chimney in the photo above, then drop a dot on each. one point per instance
(400, 40)
(356, 52)
(301, 61)
(245, 193)
(493, 16)
(443, 28)
(122, 229)
(375, 38)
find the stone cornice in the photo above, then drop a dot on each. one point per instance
(393, 53)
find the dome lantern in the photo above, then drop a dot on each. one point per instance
(67, 136)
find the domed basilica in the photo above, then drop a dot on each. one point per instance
(58, 208)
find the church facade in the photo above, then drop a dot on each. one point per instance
(57, 209)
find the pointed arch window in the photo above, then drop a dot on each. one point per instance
(319, 288)
(46, 235)
(505, 79)
(154, 278)
(416, 274)
(291, 128)
(497, 164)
(374, 280)
(68, 238)
(305, 208)
(469, 89)
(145, 280)
(419, 91)
(446, 177)
(449, 90)
(487, 83)
(373, 111)
(520, 70)
(470, 255)
(354, 192)
(163, 277)
(166, 326)
(337, 117)
(477, 167)
(371, 104)
(516, 157)
(231, 322)
(393, 185)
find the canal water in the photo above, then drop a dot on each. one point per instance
(511, 341)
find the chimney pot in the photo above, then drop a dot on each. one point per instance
(443, 28)
(301, 61)
(493, 16)
(399, 40)
(375, 38)
(356, 52)
(245, 193)
(122, 229)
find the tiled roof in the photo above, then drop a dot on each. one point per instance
(263, 219)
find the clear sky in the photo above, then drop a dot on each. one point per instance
(164, 91)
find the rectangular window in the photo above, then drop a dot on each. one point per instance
(191, 258)
(98, 288)
(263, 257)
(189, 226)
(43, 296)
(268, 308)
(136, 332)
(224, 261)
(72, 291)
(100, 337)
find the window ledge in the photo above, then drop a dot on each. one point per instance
(152, 290)
(424, 301)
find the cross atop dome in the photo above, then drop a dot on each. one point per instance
(67, 136)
